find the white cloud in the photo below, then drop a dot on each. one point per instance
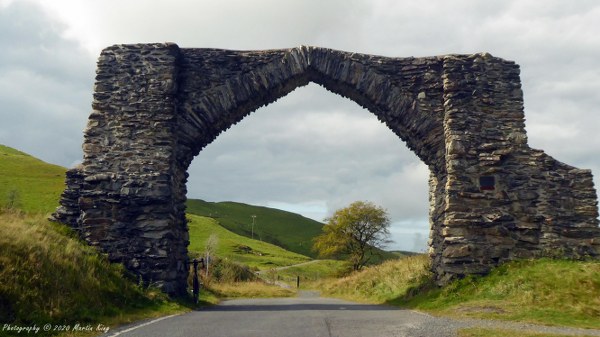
(237, 24)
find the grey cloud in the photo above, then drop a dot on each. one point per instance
(334, 151)
(45, 86)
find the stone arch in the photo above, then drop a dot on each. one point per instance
(155, 107)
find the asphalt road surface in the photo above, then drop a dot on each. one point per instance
(310, 316)
(290, 317)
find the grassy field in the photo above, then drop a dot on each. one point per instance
(35, 186)
(254, 253)
(284, 229)
(552, 292)
(308, 273)
(316, 270)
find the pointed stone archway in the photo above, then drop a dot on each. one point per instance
(156, 106)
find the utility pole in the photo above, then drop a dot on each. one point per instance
(253, 218)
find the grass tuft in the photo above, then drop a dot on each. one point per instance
(382, 282)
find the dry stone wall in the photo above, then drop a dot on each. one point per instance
(156, 106)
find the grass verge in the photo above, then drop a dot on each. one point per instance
(544, 291)
(484, 332)
(553, 292)
(48, 276)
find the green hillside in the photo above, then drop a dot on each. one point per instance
(35, 186)
(284, 229)
(253, 253)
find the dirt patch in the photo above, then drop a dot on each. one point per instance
(488, 309)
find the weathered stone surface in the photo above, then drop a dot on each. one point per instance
(156, 106)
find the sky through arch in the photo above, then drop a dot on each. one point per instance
(312, 153)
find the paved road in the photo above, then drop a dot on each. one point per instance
(303, 317)
(291, 317)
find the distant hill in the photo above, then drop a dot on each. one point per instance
(253, 253)
(288, 230)
(33, 184)
(403, 253)
(284, 229)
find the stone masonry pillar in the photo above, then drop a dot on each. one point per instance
(505, 200)
(126, 200)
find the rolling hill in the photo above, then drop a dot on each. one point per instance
(284, 229)
(34, 185)
(254, 253)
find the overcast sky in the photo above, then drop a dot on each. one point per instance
(311, 151)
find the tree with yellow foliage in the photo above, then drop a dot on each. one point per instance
(354, 232)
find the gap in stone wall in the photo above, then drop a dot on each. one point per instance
(312, 152)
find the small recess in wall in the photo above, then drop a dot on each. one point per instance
(487, 183)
